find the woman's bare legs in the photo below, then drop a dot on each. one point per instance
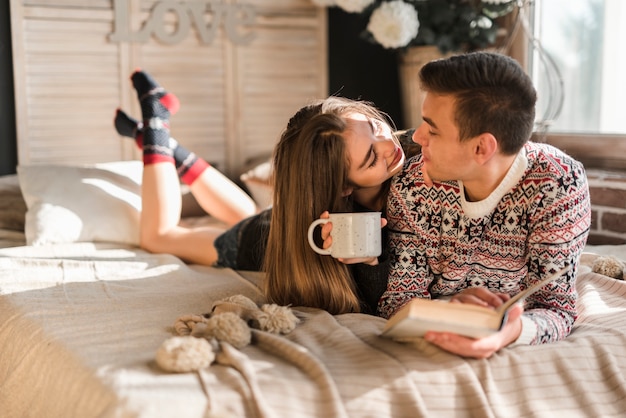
(221, 197)
(160, 217)
(161, 196)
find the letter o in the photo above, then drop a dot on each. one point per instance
(158, 16)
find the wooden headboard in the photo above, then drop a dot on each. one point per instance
(240, 68)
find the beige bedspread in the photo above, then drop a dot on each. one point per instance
(80, 325)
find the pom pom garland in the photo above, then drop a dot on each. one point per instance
(229, 322)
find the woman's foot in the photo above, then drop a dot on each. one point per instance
(154, 100)
(126, 125)
(156, 107)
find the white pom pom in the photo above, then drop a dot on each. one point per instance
(184, 354)
(230, 328)
(276, 319)
(609, 266)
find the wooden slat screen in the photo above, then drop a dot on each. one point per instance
(71, 75)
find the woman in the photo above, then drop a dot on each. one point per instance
(164, 162)
(335, 155)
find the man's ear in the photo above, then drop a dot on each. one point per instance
(347, 191)
(486, 147)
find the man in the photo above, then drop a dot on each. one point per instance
(483, 212)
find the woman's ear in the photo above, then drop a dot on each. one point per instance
(347, 191)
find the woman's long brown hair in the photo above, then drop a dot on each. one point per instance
(310, 165)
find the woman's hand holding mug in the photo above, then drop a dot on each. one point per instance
(349, 237)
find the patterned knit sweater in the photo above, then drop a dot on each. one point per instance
(534, 223)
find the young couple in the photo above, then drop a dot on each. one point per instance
(479, 215)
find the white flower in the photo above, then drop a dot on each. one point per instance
(482, 22)
(496, 1)
(353, 6)
(394, 24)
(324, 3)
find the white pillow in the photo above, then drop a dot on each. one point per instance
(99, 202)
(258, 182)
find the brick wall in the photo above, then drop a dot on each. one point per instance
(608, 206)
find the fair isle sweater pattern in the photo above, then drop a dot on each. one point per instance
(534, 224)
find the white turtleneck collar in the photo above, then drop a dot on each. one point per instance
(487, 205)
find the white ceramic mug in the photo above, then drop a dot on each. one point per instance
(355, 235)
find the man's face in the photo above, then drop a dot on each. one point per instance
(445, 156)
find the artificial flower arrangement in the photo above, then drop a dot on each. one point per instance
(451, 25)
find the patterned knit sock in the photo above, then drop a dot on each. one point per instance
(156, 107)
(188, 164)
(126, 125)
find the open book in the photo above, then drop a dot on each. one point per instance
(421, 315)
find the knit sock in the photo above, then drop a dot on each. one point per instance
(156, 107)
(126, 125)
(188, 164)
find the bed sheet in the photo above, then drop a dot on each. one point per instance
(80, 325)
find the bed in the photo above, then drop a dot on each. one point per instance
(83, 311)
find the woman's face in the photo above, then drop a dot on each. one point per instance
(374, 156)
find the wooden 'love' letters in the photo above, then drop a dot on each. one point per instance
(232, 17)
